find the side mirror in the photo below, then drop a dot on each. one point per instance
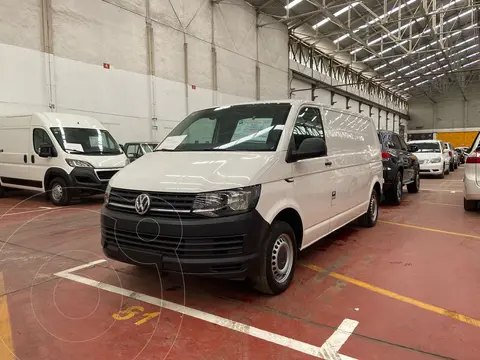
(412, 148)
(391, 145)
(46, 151)
(309, 148)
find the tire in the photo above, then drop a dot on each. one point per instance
(369, 219)
(394, 195)
(452, 167)
(281, 237)
(2, 191)
(59, 193)
(455, 166)
(447, 171)
(415, 185)
(469, 205)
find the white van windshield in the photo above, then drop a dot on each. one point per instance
(253, 127)
(428, 147)
(86, 141)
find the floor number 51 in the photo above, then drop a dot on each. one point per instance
(133, 311)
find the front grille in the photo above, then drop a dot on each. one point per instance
(186, 247)
(106, 174)
(167, 204)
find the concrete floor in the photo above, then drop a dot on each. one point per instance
(407, 289)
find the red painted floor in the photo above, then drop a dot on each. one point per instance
(54, 318)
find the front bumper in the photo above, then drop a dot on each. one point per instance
(226, 247)
(431, 169)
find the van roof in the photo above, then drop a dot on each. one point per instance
(54, 119)
(293, 102)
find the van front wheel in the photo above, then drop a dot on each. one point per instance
(277, 260)
(59, 192)
(2, 191)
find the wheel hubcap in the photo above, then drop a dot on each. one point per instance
(57, 192)
(282, 258)
(373, 208)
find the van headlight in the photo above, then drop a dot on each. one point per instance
(435, 160)
(78, 163)
(227, 202)
(106, 197)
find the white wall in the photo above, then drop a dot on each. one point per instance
(88, 33)
(450, 110)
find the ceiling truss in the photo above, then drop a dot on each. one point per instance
(395, 48)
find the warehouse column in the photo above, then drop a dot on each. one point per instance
(48, 52)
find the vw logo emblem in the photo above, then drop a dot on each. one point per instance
(142, 204)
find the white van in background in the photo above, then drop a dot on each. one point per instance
(237, 191)
(64, 155)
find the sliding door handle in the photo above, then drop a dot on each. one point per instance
(25, 159)
(289, 180)
(328, 163)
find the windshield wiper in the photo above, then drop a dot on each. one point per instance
(72, 151)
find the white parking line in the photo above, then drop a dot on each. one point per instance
(328, 351)
(25, 212)
(443, 190)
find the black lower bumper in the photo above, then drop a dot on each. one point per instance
(226, 247)
(85, 180)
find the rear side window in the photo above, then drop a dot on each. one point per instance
(396, 142)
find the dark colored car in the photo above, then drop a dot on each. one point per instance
(462, 153)
(400, 166)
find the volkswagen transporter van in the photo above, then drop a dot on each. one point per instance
(237, 191)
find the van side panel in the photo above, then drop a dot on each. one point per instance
(353, 147)
(14, 141)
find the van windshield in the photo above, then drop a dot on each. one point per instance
(86, 141)
(428, 147)
(252, 127)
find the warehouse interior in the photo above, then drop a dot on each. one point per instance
(407, 288)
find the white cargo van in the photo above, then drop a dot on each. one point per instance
(237, 191)
(63, 155)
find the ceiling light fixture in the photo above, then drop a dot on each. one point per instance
(338, 13)
(292, 4)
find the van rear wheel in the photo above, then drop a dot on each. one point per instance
(277, 260)
(59, 192)
(2, 191)
(369, 219)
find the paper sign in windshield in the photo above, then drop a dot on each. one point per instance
(171, 142)
(247, 127)
(74, 147)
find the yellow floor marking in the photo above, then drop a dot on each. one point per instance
(451, 314)
(430, 229)
(6, 344)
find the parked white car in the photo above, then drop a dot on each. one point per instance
(432, 158)
(471, 179)
(454, 158)
(64, 155)
(238, 190)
